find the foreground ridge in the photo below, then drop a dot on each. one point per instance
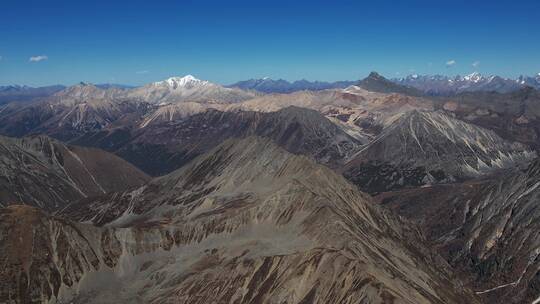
(246, 222)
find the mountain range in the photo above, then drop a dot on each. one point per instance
(247, 222)
(185, 191)
(445, 85)
(267, 85)
(427, 84)
(16, 93)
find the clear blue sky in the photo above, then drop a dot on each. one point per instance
(136, 42)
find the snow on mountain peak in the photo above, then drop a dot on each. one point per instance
(474, 77)
(177, 82)
(439, 84)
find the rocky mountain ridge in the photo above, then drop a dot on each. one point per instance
(245, 223)
(45, 173)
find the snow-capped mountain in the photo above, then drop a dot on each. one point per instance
(474, 77)
(446, 85)
(86, 108)
(187, 81)
(74, 111)
(268, 85)
(532, 81)
(188, 88)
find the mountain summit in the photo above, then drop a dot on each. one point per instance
(377, 83)
(180, 82)
(424, 147)
(188, 89)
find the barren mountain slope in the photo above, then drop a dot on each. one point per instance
(72, 112)
(43, 172)
(430, 147)
(161, 147)
(488, 231)
(251, 223)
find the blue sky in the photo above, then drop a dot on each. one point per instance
(136, 42)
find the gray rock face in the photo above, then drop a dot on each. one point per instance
(488, 231)
(247, 222)
(43, 172)
(430, 147)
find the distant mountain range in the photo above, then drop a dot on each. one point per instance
(425, 84)
(191, 88)
(377, 83)
(445, 85)
(24, 93)
(267, 85)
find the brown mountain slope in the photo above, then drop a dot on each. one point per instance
(249, 222)
(44, 172)
(161, 147)
(487, 230)
(423, 148)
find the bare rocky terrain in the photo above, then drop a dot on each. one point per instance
(247, 222)
(161, 147)
(373, 191)
(486, 229)
(424, 148)
(46, 173)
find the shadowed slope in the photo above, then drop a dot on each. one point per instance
(488, 230)
(43, 172)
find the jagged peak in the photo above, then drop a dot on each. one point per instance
(375, 75)
(474, 77)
